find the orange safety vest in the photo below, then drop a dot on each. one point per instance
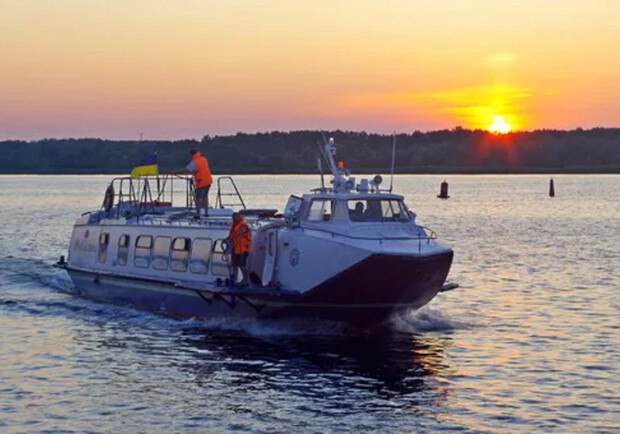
(202, 174)
(240, 235)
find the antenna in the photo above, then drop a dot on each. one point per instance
(393, 160)
(322, 151)
(329, 151)
(324, 138)
(157, 165)
(340, 176)
(318, 161)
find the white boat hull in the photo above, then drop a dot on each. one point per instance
(362, 295)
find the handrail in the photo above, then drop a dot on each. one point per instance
(428, 237)
(129, 197)
(218, 201)
(419, 239)
(134, 196)
(432, 234)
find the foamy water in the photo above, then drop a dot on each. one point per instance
(530, 342)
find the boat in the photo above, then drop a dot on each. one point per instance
(345, 252)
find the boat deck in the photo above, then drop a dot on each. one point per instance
(182, 216)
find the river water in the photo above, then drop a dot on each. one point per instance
(530, 342)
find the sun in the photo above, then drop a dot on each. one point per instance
(499, 125)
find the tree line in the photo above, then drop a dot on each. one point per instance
(456, 150)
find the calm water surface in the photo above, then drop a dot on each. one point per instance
(529, 343)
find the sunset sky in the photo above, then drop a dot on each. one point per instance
(183, 69)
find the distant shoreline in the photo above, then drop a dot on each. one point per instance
(438, 171)
(443, 152)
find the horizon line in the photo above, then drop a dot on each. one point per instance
(141, 137)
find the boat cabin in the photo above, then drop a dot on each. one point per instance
(353, 208)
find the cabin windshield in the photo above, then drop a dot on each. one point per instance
(377, 210)
(320, 210)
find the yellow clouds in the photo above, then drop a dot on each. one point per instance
(472, 107)
(477, 107)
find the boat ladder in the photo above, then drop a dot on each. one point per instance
(232, 192)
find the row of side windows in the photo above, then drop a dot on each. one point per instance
(165, 252)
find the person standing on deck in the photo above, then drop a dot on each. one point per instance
(199, 167)
(241, 236)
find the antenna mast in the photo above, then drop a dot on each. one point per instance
(341, 177)
(318, 161)
(393, 160)
(329, 150)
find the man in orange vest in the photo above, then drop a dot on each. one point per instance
(241, 236)
(199, 166)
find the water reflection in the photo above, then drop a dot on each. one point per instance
(528, 344)
(392, 368)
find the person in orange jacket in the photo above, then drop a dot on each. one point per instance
(240, 236)
(199, 167)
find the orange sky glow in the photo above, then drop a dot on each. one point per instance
(186, 68)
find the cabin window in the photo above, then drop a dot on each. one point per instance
(320, 210)
(219, 266)
(123, 250)
(291, 210)
(377, 210)
(104, 240)
(339, 212)
(179, 254)
(201, 251)
(142, 254)
(161, 253)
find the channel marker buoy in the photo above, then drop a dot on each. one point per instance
(443, 192)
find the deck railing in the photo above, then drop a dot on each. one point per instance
(137, 196)
(129, 197)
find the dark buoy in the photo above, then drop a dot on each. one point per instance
(551, 189)
(443, 192)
